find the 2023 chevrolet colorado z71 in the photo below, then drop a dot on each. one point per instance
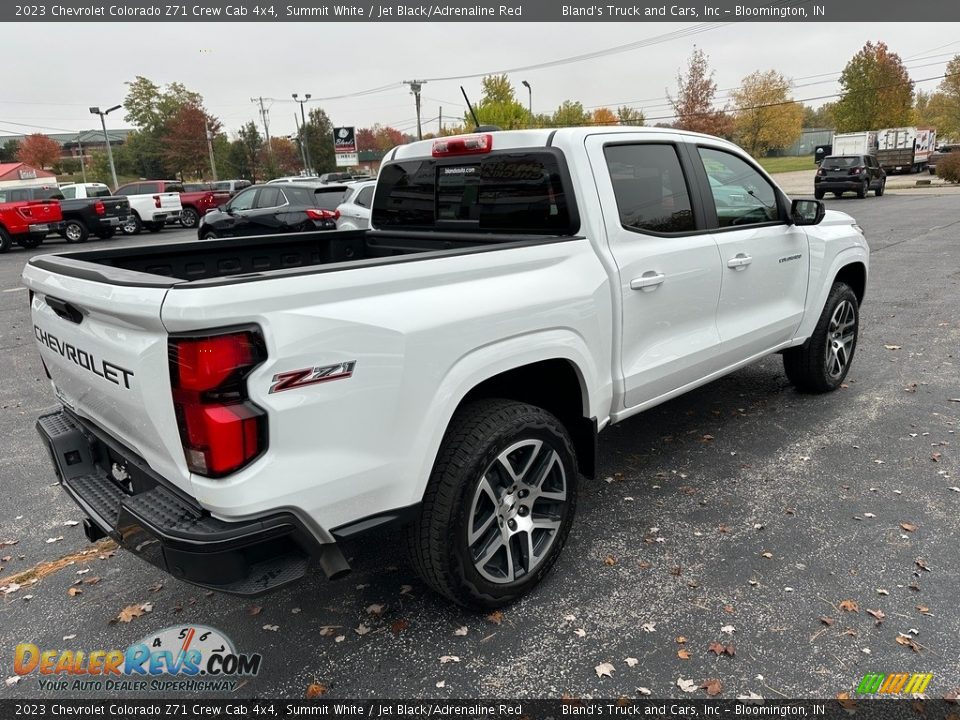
(245, 403)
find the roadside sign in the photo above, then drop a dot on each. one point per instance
(345, 146)
(347, 159)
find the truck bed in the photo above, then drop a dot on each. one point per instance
(234, 260)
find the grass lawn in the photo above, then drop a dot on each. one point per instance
(786, 164)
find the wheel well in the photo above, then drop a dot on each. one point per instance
(555, 386)
(854, 275)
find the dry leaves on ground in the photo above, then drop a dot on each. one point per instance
(444, 659)
(907, 641)
(315, 690)
(460, 631)
(877, 615)
(683, 654)
(826, 620)
(849, 606)
(398, 626)
(133, 611)
(631, 661)
(721, 649)
(496, 617)
(376, 610)
(605, 670)
(909, 527)
(712, 686)
(686, 685)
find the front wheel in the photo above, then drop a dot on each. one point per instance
(881, 188)
(154, 227)
(818, 194)
(822, 362)
(30, 243)
(209, 235)
(5, 241)
(106, 234)
(189, 218)
(862, 190)
(132, 226)
(498, 506)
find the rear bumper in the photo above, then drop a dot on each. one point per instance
(127, 501)
(112, 222)
(837, 185)
(41, 230)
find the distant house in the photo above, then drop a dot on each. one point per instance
(80, 143)
(20, 174)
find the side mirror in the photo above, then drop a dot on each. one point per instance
(807, 212)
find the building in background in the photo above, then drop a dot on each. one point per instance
(20, 174)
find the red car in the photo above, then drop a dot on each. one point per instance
(27, 222)
(196, 198)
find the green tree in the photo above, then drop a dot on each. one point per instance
(766, 117)
(319, 138)
(821, 117)
(630, 116)
(245, 152)
(498, 105)
(569, 114)
(948, 118)
(693, 105)
(877, 91)
(8, 151)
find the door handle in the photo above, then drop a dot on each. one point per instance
(649, 279)
(739, 261)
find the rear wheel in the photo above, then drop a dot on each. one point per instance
(5, 242)
(154, 227)
(881, 187)
(837, 193)
(106, 234)
(75, 231)
(498, 506)
(822, 362)
(30, 242)
(132, 226)
(818, 194)
(189, 218)
(862, 190)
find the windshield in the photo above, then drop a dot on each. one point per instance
(514, 192)
(842, 163)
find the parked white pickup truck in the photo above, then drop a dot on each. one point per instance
(246, 403)
(152, 206)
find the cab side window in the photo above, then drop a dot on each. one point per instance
(741, 194)
(270, 197)
(69, 193)
(243, 201)
(650, 188)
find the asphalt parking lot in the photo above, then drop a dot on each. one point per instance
(809, 539)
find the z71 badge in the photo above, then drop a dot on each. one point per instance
(311, 376)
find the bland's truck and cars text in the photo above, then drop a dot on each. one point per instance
(233, 408)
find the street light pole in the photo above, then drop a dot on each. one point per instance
(83, 167)
(529, 100)
(415, 87)
(303, 131)
(103, 123)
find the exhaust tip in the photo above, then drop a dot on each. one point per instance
(333, 563)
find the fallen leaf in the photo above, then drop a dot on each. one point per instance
(846, 702)
(729, 609)
(71, 523)
(882, 591)
(609, 560)
(849, 606)
(134, 611)
(13, 680)
(441, 683)
(681, 639)
(605, 670)
(907, 641)
(877, 615)
(649, 627)
(254, 610)
(869, 515)
(631, 662)
(892, 347)
(69, 637)
(644, 691)
(74, 591)
(924, 610)
(580, 632)
(295, 611)
(340, 638)
(496, 617)
(156, 587)
(826, 620)
(683, 654)
(922, 564)
(398, 626)
(936, 456)
(728, 629)
(767, 555)
(686, 685)
(644, 565)
(750, 696)
(328, 630)
(271, 628)
(361, 629)
(909, 527)
(444, 659)
(676, 571)
(9, 589)
(315, 690)
(53, 540)
(712, 686)
(376, 610)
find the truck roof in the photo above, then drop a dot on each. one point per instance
(542, 137)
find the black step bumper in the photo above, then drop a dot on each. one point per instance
(127, 501)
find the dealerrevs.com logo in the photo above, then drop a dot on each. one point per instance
(178, 659)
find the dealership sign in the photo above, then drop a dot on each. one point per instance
(345, 146)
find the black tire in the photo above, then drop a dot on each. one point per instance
(862, 190)
(106, 234)
(5, 242)
(838, 193)
(438, 541)
(881, 188)
(818, 194)
(75, 231)
(189, 217)
(809, 366)
(209, 235)
(154, 227)
(30, 243)
(133, 226)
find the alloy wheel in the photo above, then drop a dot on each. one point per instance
(73, 232)
(517, 511)
(841, 336)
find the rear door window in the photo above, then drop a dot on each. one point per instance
(364, 197)
(269, 198)
(510, 192)
(148, 188)
(650, 188)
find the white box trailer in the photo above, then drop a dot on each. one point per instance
(855, 143)
(905, 149)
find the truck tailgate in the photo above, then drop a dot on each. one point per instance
(170, 201)
(116, 207)
(105, 350)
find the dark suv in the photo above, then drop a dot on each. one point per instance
(855, 173)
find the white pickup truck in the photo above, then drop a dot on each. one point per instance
(233, 408)
(154, 203)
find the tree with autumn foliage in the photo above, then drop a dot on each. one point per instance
(603, 116)
(949, 92)
(38, 150)
(630, 116)
(877, 91)
(766, 118)
(184, 141)
(693, 105)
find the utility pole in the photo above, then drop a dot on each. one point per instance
(440, 121)
(265, 116)
(529, 100)
(303, 155)
(415, 86)
(83, 167)
(303, 131)
(103, 123)
(213, 163)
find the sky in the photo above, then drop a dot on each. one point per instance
(64, 68)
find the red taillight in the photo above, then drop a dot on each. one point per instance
(156, 200)
(463, 145)
(26, 212)
(323, 214)
(99, 208)
(856, 170)
(220, 429)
